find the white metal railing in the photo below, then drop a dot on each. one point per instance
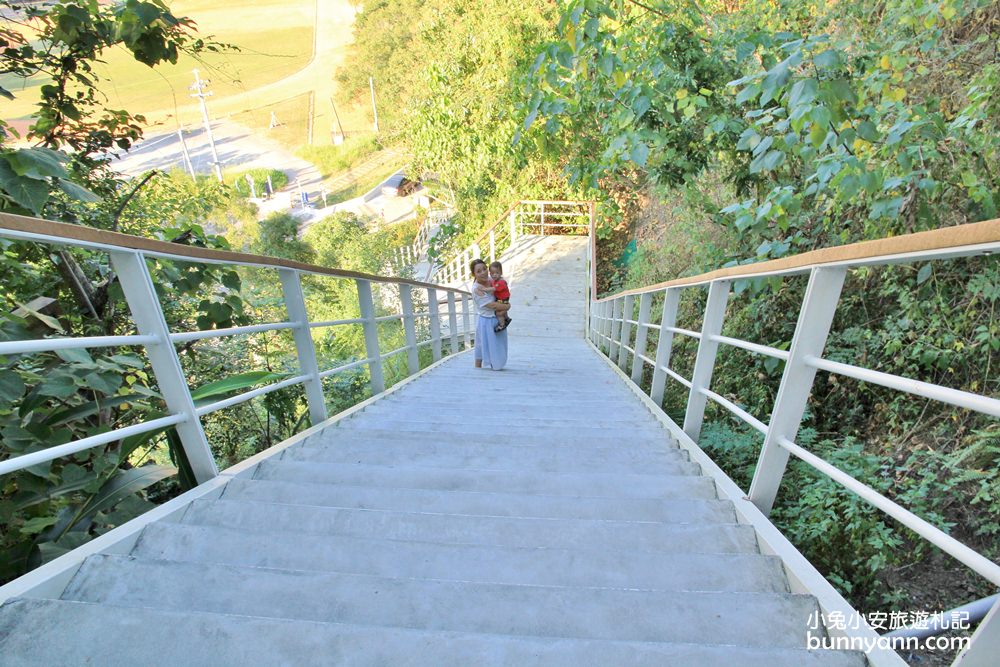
(612, 321)
(129, 254)
(526, 217)
(413, 252)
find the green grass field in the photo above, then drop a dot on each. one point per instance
(275, 38)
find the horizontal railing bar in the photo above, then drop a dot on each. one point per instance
(427, 342)
(345, 367)
(47, 231)
(186, 336)
(335, 323)
(978, 563)
(967, 240)
(651, 325)
(52, 453)
(735, 409)
(553, 202)
(553, 214)
(685, 332)
(396, 351)
(649, 361)
(246, 396)
(632, 322)
(962, 399)
(752, 347)
(386, 318)
(675, 375)
(75, 343)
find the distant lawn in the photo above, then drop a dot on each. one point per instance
(292, 115)
(332, 160)
(275, 38)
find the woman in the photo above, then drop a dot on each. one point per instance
(491, 346)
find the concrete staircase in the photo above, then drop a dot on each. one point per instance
(535, 516)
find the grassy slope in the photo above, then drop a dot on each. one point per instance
(275, 37)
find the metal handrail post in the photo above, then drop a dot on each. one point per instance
(513, 227)
(818, 309)
(624, 340)
(371, 335)
(435, 323)
(452, 323)
(984, 645)
(609, 314)
(616, 310)
(704, 365)
(645, 305)
(295, 305)
(409, 330)
(466, 320)
(664, 344)
(137, 284)
(493, 246)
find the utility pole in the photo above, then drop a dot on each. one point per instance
(339, 125)
(199, 87)
(184, 150)
(371, 84)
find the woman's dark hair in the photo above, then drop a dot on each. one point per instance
(472, 266)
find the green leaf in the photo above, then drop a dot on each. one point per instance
(235, 383)
(640, 106)
(122, 485)
(28, 193)
(639, 154)
(37, 525)
(867, 131)
(77, 192)
(11, 386)
(90, 408)
(48, 321)
(77, 356)
(58, 386)
(827, 59)
(37, 163)
(924, 273)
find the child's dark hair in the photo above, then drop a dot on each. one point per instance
(497, 265)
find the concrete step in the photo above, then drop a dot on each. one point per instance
(581, 438)
(526, 482)
(498, 504)
(591, 613)
(495, 457)
(650, 443)
(715, 533)
(106, 635)
(719, 569)
(540, 418)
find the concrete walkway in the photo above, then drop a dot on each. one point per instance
(535, 516)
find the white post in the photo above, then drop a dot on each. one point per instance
(295, 304)
(409, 327)
(513, 227)
(606, 333)
(493, 246)
(818, 308)
(704, 364)
(542, 224)
(984, 646)
(435, 319)
(616, 327)
(623, 341)
(133, 275)
(645, 304)
(452, 323)
(466, 317)
(664, 344)
(371, 335)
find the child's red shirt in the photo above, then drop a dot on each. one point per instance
(500, 290)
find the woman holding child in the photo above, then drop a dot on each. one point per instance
(491, 337)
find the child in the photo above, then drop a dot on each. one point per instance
(500, 292)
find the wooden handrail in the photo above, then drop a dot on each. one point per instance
(958, 236)
(90, 236)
